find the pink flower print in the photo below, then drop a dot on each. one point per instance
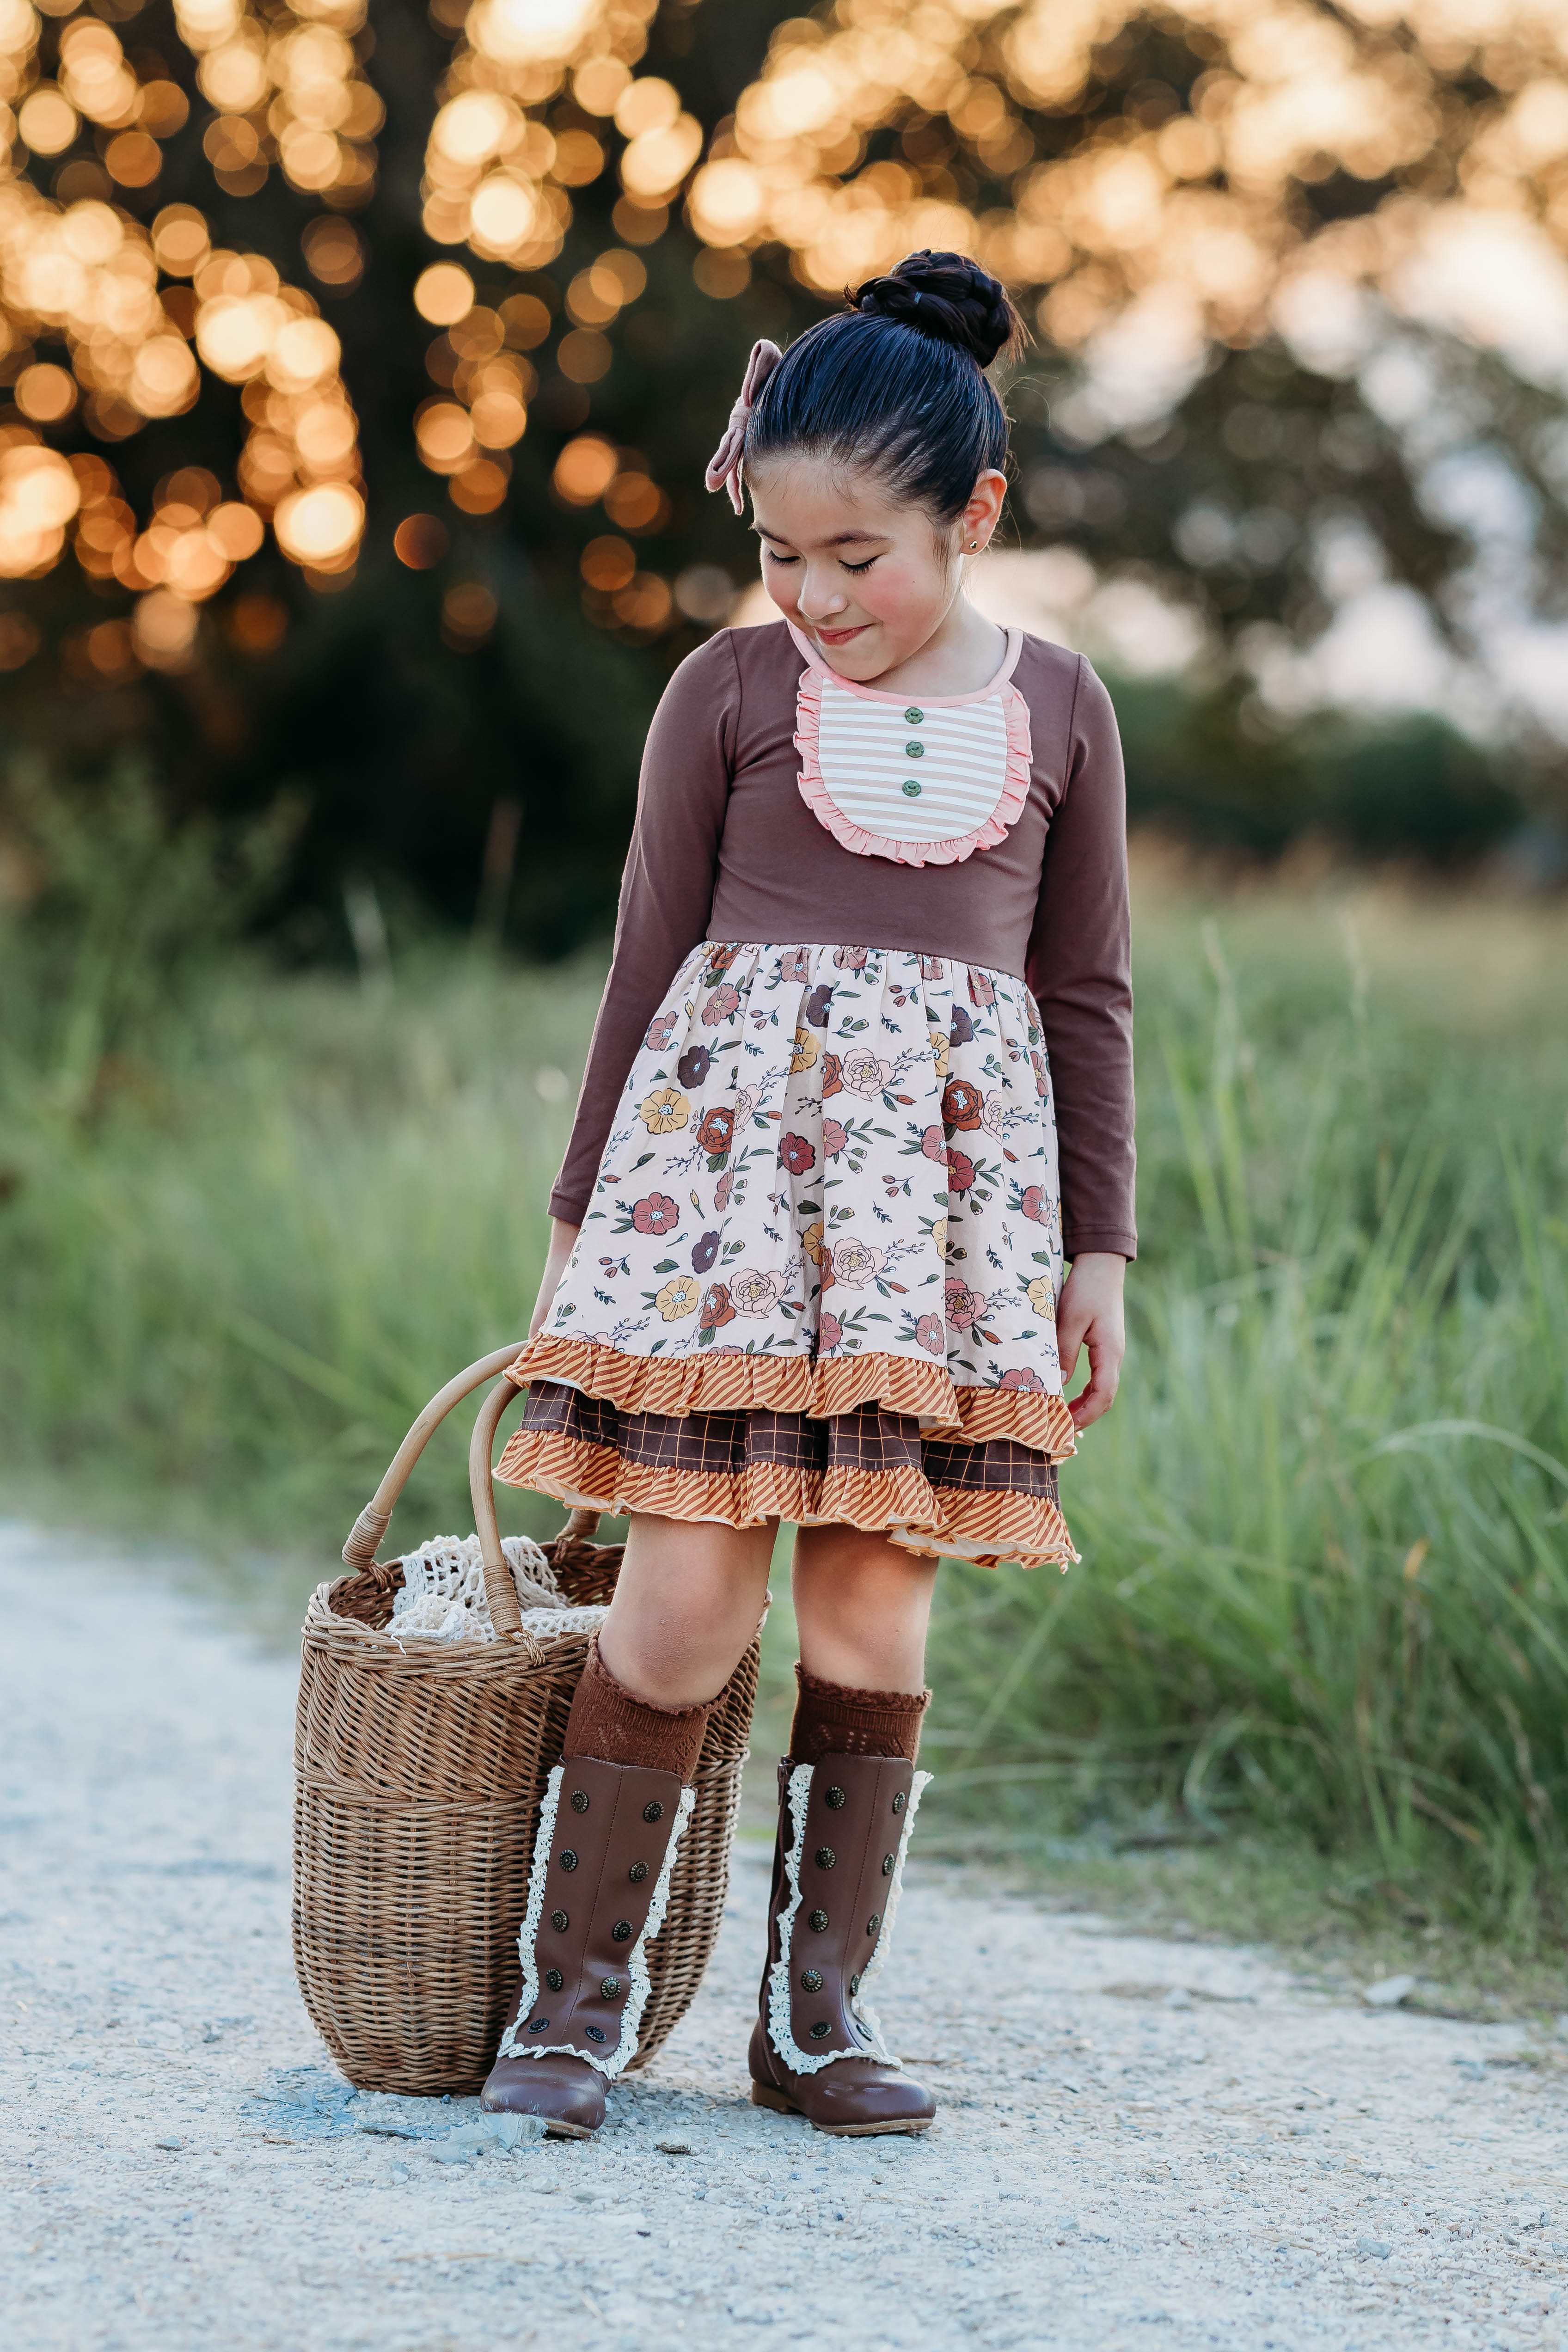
(932, 969)
(720, 1005)
(856, 1261)
(657, 1215)
(1022, 1377)
(797, 1155)
(994, 1115)
(1032, 1204)
(963, 1305)
(862, 1074)
(933, 1144)
(981, 991)
(754, 1293)
(794, 964)
(960, 1170)
(851, 959)
(745, 1109)
(829, 1331)
(660, 1032)
(834, 1138)
(722, 1190)
(930, 1331)
(1042, 1077)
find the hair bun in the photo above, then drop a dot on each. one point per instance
(948, 296)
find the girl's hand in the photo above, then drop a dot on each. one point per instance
(563, 1242)
(1090, 1315)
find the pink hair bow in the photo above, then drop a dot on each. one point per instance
(724, 466)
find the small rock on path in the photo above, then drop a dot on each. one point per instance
(1140, 2143)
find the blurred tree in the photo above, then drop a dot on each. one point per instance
(361, 376)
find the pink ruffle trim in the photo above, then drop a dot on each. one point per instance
(815, 792)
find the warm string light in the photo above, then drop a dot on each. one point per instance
(1195, 201)
(138, 312)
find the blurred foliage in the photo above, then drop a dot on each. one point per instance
(250, 1223)
(467, 725)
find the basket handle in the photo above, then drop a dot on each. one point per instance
(359, 1552)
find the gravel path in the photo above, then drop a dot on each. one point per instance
(1139, 2142)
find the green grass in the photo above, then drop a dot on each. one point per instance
(251, 1221)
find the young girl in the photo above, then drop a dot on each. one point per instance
(869, 996)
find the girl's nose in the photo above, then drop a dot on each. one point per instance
(820, 603)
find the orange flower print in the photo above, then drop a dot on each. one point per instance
(716, 1132)
(962, 1104)
(1032, 1204)
(832, 1081)
(811, 1243)
(719, 962)
(716, 1307)
(804, 1051)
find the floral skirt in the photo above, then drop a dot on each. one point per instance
(818, 1276)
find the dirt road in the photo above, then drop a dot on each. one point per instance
(1140, 2144)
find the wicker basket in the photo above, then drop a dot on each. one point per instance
(418, 1776)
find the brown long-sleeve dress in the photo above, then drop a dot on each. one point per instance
(861, 1076)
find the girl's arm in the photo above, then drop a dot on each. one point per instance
(667, 892)
(1080, 969)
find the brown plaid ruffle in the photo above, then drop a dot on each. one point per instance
(932, 1494)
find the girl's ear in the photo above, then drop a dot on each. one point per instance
(978, 522)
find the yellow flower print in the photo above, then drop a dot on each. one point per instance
(805, 1050)
(664, 1109)
(939, 1234)
(939, 1041)
(679, 1298)
(811, 1242)
(1043, 1297)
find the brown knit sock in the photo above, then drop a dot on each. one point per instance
(830, 1720)
(607, 1722)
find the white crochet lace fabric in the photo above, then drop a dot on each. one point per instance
(443, 1595)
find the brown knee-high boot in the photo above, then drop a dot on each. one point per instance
(847, 1795)
(611, 1819)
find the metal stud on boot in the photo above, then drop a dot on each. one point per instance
(816, 2049)
(597, 1893)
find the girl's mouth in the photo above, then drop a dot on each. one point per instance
(839, 637)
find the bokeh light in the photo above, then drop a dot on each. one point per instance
(420, 541)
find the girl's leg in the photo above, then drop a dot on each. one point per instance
(686, 1605)
(862, 1607)
(846, 1792)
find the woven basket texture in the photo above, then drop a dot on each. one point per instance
(418, 1780)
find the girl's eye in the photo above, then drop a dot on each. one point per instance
(775, 557)
(861, 567)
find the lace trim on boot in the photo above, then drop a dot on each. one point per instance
(614, 2060)
(781, 2031)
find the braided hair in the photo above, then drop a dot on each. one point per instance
(896, 383)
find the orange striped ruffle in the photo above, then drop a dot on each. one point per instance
(716, 1382)
(989, 1526)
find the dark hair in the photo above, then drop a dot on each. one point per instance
(897, 382)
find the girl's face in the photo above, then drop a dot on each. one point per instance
(869, 580)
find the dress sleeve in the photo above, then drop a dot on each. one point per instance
(666, 892)
(1079, 969)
